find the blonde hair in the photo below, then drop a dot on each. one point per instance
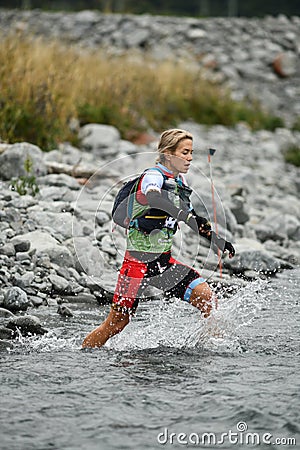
(169, 141)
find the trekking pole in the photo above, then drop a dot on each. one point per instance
(211, 152)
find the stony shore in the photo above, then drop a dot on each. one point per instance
(57, 247)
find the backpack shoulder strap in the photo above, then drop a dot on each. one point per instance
(182, 179)
(158, 169)
(132, 195)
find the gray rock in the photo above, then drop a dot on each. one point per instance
(59, 224)
(83, 297)
(21, 245)
(136, 38)
(27, 325)
(287, 225)
(60, 180)
(23, 201)
(265, 232)
(250, 255)
(286, 252)
(95, 136)
(102, 217)
(43, 260)
(7, 249)
(238, 210)
(14, 218)
(6, 333)
(127, 147)
(15, 299)
(249, 70)
(62, 271)
(43, 243)
(55, 193)
(23, 256)
(36, 301)
(66, 154)
(24, 281)
(64, 311)
(89, 258)
(196, 33)
(59, 284)
(108, 246)
(12, 161)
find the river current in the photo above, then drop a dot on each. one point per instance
(170, 380)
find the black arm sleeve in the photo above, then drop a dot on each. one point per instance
(156, 200)
(197, 223)
(204, 226)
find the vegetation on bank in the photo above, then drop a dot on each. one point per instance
(296, 125)
(292, 155)
(26, 184)
(46, 85)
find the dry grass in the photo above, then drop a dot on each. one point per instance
(44, 85)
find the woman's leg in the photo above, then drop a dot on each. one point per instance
(191, 287)
(202, 298)
(125, 301)
(115, 322)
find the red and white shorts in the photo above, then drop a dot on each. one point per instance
(140, 270)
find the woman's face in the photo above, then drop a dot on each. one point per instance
(181, 159)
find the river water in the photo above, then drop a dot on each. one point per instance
(166, 382)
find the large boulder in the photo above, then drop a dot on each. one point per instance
(12, 161)
(286, 225)
(27, 325)
(15, 299)
(58, 223)
(101, 140)
(251, 255)
(88, 258)
(42, 243)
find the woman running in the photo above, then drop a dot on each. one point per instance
(160, 202)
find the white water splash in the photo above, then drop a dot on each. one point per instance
(169, 324)
(42, 344)
(178, 325)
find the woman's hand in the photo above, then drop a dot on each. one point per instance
(223, 245)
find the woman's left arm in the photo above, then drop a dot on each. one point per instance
(206, 231)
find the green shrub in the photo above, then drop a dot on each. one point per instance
(29, 122)
(107, 114)
(26, 184)
(296, 125)
(292, 155)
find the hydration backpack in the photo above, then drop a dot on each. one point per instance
(123, 204)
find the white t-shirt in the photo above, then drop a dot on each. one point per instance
(153, 180)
